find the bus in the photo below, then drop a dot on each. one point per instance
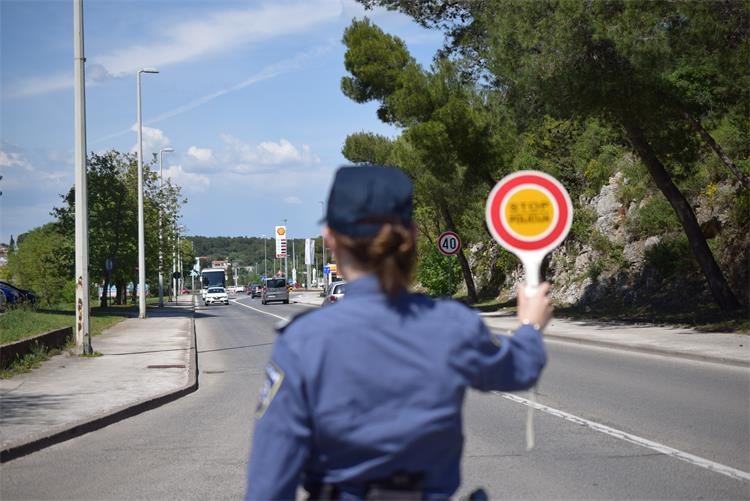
(212, 277)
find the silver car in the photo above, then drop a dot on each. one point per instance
(335, 292)
(274, 289)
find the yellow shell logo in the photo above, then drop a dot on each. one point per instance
(280, 230)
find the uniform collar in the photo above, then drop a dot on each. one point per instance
(367, 284)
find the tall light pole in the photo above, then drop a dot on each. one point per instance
(83, 334)
(265, 257)
(286, 269)
(323, 244)
(161, 256)
(141, 224)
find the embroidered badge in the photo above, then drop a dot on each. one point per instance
(274, 378)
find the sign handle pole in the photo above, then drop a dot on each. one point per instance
(532, 266)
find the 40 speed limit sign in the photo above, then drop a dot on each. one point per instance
(449, 243)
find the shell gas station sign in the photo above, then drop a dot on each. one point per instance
(280, 232)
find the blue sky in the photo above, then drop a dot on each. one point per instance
(247, 95)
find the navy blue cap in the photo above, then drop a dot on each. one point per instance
(365, 197)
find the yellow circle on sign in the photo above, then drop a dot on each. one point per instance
(529, 212)
(280, 230)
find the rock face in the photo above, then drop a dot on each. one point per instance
(610, 212)
(617, 267)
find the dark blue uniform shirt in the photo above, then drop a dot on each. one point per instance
(370, 386)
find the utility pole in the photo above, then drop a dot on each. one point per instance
(323, 244)
(294, 264)
(83, 334)
(286, 268)
(161, 254)
(141, 220)
(265, 257)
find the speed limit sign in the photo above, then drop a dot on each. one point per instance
(449, 243)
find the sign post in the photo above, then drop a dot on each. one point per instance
(529, 213)
(449, 243)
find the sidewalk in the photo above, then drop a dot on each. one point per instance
(725, 348)
(144, 363)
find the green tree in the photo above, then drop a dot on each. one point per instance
(42, 264)
(457, 139)
(112, 181)
(653, 70)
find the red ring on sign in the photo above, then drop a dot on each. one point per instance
(499, 226)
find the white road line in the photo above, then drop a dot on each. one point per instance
(634, 439)
(259, 311)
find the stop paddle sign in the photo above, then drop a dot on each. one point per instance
(529, 213)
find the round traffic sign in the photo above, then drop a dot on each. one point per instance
(529, 212)
(449, 243)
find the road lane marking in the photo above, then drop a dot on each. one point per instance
(235, 301)
(634, 439)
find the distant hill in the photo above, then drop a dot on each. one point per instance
(249, 251)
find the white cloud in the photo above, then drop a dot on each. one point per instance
(189, 181)
(10, 159)
(153, 141)
(20, 173)
(219, 32)
(248, 158)
(201, 155)
(292, 200)
(193, 39)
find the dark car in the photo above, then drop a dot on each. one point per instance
(274, 289)
(254, 290)
(15, 296)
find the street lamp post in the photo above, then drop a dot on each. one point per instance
(82, 335)
(265, 257)
(286, 251)
(161, 252)
(323, 244)
(141, 224)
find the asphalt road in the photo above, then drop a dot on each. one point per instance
(624, 403)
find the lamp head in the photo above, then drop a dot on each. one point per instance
(148, 70)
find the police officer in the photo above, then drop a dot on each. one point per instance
(363, 399)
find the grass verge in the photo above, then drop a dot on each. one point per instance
(23, 323)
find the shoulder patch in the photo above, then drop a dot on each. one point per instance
(282, 325)
(274, 378)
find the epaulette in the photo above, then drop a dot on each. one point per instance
(283, 324)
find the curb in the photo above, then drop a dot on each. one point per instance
(44, 440)
(653, 350)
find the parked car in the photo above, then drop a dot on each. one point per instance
(254, 290)
(15, 296)
(186, 291)
(239, 289)
(274, 289)
(335, 292)
(216, 295)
